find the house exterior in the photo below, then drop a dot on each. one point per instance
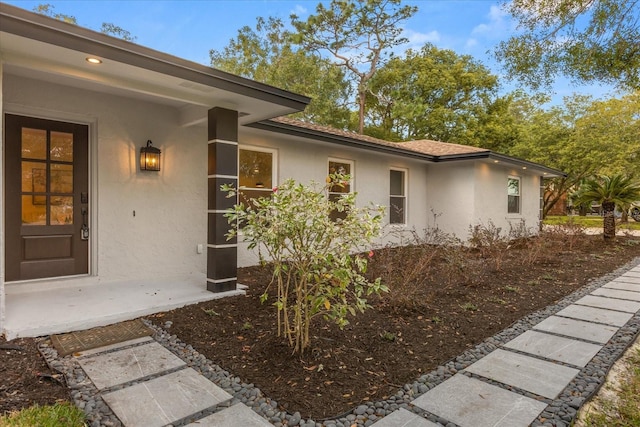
(78, 106)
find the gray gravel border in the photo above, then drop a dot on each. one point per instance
(561, 411)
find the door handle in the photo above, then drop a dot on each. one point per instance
(84, 231)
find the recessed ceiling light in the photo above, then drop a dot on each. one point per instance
(524, 167)
(94, 60)
(496, 161)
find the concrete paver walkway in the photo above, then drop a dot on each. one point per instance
(146, 385)
(574, 336)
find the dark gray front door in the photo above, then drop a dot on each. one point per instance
(47, 198)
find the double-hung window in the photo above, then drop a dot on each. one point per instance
(513, 195)
(256, 173)
(337, 187)
(397, 196)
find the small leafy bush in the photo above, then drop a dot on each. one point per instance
(311, 250)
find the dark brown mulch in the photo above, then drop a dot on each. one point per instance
(389, 345)
(25, 378)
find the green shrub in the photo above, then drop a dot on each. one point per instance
(311, 248)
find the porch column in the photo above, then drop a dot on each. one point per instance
(222, 254)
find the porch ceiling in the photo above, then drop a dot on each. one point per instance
(42, 48)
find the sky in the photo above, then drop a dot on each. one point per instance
(191, 28)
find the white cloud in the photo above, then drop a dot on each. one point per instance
(419, 39)
(470, 43)
(299, 10)
(498, 24)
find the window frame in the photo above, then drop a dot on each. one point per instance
(274, 168)
(517, 196)
(352, 165)
(404, 196)
(352, 180)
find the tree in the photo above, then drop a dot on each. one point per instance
(266, 54)
(47, 10)
(437, 94)
(617, 190)
(106, 28)
(583, 138)
(358, 34)
(116, 31)
(586, 40)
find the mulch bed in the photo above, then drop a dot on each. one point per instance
(389, 345)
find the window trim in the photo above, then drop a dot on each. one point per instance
(274, 164)
(352, 163)
(405, 185)
(519, 195)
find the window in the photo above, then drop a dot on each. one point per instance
(336, 188)
(397, 196)
(513, 195)
(256, 173)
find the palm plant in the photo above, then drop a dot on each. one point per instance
(616, 190)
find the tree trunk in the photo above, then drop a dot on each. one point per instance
(609, 220)
(361, 102)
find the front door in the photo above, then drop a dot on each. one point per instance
(47, 198)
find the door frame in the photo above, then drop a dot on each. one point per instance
(91, 122)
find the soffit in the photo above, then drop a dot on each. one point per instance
(38, 47)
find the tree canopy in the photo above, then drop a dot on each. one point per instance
(586, 40)
(358, 35)
(435, 94)
(266, 54)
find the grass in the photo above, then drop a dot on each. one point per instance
(61, 414)
(589, 221)
(623, 410)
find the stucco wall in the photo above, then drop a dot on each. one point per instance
(2, 286)
(491, 197)
(451, 197)
(170, 206)
(303, 160)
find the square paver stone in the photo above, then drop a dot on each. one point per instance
(593, 314)
(625, 286)
(470, 402)
(404, 418)
(537, 376)
(632, 273)
(617, 293)
(627, 279)
(577, 329)
(553, 347)
(237, 415)
(113, 346)
(164, 400)
(121, 366)
(609, 303)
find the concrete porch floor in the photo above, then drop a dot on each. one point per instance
(44, 308)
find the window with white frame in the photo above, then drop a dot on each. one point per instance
(338, 187)
(256, 173)
(397, 196)
(513, 195)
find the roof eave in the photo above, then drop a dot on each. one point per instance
(293, 130)
(17, 21)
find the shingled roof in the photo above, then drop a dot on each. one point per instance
(423, 149)
(423, 146)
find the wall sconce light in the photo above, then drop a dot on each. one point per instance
(149, 158)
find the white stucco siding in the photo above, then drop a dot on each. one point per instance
(451, 197)
(304, 160)
(170, 205)
(491, 197)
(2, 204)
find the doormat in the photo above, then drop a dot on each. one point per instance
(74, 342)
